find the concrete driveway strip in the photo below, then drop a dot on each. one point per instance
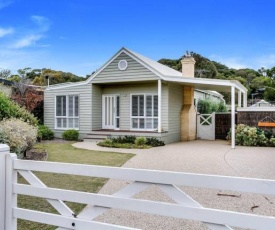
(204, 157)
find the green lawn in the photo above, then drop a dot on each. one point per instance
(65, 152)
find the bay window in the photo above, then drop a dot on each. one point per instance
(144, 111)
(66, 112)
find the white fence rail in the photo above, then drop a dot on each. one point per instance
(185, 207)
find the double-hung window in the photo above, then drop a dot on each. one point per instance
(144, 112)
(66, 112)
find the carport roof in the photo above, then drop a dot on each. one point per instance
(207, 84)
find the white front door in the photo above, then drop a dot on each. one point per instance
(110, 112)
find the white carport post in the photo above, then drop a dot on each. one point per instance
(239, 98)
(232, 117)
(159, 106)
(245, 99)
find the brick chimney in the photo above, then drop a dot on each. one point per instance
(188, 65)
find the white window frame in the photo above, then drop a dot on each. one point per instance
(145, 111)
(67, 117)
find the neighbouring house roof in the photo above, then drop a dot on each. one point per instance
(6, 82)
(215, 93)
(164, 73)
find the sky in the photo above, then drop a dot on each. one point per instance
(79, 36)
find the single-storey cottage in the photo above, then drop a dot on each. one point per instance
(133, 95)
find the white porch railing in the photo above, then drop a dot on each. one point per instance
(185, 207)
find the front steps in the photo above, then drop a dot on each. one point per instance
(96, 137)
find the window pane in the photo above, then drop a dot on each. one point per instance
(149, 106)
(155, 123)
(76, 123)
(155, 106)
(117, 106)
(117, 122)
(71, 123)
(61, 106)
(135, 123)
(141, 123)
(71, 106)
(141, 105)
(149, 124)
(64, 125)
(76, 106)
(134, 105)
(58, 123)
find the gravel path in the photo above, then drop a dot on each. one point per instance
(205, 157)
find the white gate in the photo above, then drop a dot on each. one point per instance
(206, 126)
(184, 207)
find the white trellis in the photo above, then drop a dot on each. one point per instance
(168, 182)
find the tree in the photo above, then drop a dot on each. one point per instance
(23, 83)
(269, 94)
(5, 73)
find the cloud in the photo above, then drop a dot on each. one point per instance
(27, 41)
(252, 62)
(43, 22)
(4, 3)
(4, 32)
(231, 62)
(266, 61)
(35, 35)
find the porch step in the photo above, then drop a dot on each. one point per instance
(94, 137)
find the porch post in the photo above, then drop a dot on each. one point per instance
(4, 151)
(159, 106)
(232, 117)
(239, 98)
(245, 99)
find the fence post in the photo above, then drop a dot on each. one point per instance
(11, 197)
(4, 151)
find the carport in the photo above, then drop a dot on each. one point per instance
(231, 86)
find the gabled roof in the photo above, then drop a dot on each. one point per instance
(164, 73)
(162, 69)
(159, 69)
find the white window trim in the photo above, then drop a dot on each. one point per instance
(67, 112)
(144, 117)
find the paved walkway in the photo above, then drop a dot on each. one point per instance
(206, 157)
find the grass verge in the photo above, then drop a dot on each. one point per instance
(65, 152)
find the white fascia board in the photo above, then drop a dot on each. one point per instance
(66, 85)
(205, 81)
(123, 50)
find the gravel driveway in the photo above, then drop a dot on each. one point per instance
(205, 157)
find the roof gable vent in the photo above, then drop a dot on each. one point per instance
(122, 65)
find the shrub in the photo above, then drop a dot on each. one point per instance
(272, 142)
(154, 142)
(9, 109)
(19, 135)
(70, 135)
(207, 106)
(131, 142)
(44, 133)
(249, 136)
(140, 141)
(124, 139)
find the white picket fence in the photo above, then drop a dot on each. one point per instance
(185, 207)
